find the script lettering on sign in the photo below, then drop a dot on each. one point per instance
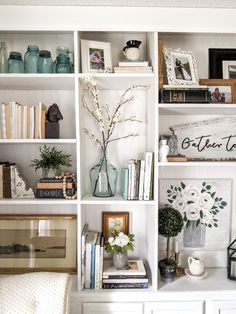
(213, 138)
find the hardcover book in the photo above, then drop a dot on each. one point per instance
(125, 285)
(185, 96)
(135, 267)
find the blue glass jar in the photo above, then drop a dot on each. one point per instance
(63, 64)
(44, 62)
(31, 59)
(15, 63)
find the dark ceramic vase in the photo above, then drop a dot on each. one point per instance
(167, 270)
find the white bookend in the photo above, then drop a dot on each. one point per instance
(148, 157)
(97, 262)
(141, 179)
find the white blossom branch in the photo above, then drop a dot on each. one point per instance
(121, 137)
(92, 136)
(130, 119)
(88, 109)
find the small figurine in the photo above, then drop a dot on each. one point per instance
(173, 143)
(54, 114)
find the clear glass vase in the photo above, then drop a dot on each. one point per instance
(120, 260)
(103, 177)
(194, 235)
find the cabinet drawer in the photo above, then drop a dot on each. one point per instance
(194, 307)
(112, 308)
(224, 307)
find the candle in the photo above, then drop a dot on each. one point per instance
(176, 248)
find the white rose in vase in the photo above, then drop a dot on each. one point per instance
(192, 193)
(206, 201)
(192, 212)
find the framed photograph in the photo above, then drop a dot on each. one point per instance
(96, 56)
(181, 67)
(221, 61)
(222, 90)
(37, 243)
(114, 220)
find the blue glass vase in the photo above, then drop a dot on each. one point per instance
(31, 59)
(15, 63)
(44, 64)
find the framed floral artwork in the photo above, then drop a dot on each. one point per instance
(115, 220)
(205, 205)
(37, 243)
(181, 68)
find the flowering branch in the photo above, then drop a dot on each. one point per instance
(122, 137)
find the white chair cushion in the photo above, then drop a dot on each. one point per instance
(35, 293)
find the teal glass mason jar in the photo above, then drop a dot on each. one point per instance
(15, 63)
(31, 59)
(63, 64)
(44, 62)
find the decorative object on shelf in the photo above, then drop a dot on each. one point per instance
(173, 143)
(207, 139)
(44, 64)
(221, 91)
(3, 58)
(103, 175)
(164, 151)
(203, 203)
(195, 266)
(181, 67)
(51, 159)
(63, 63)
(52, 126)
(222, 60)
(231, 261)
(202, 276)
(161, 63)
(61, 186)
(132, 51)
(170, 225)
(118, 221)
(96, 56)
(179, 270)
(18, 186)
(119, 244)
(173, 94)
(31, 59)
(37, 243)
(15, 63)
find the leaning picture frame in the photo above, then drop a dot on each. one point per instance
(181, 68)
(37, 243)
(96, 56)
(222, 90)
(217, 56)
(114, 220)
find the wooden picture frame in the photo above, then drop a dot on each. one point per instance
(96, 56)
(216, 58)
(225, 86)
(181, 67)
(37, 243)
(111, 220)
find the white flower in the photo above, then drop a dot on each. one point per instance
(110, 239)
(206, 201)
(88, 79)
(124, 239)
(192, 212)
(207, 217)
(191, 193)
(179, 204)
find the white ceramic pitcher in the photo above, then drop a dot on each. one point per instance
(195, 266)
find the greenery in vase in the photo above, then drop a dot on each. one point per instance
(170, 225)
(200, 205)
(118, 242)
(51, 159)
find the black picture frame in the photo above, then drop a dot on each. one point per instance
(216, 56)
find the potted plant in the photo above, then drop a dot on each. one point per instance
(119, 244)
(170, 224)
(51, 159)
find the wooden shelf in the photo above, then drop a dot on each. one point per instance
(38, 141)
(198, 164)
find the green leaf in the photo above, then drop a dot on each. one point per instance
(198, 222)
(182, 185)
(190, 202)
(216, 199)
(208, 187)
(215, 225)
(201, 213)
(210, 226)
(170, 201)
(174, 197)
(213, 194)
(168, 191)
(223, 203)
(204, 183)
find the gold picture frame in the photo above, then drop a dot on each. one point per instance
(37, 243)
(225, 86)
(111, 220)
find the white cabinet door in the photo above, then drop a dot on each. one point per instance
(188, 307)
(224, 307)
(112, 308)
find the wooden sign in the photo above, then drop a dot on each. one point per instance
(213, 138)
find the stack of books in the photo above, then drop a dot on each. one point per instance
(53, 188)
(137, 178)
(133, 67)
(185, 94)
(22, 122)
(134, 277)
(92, 251)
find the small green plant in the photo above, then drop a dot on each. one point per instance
(51, 159)
(170, 224)
(118, 242)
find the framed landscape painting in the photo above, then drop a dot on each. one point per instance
(115, 220)
(37, 243)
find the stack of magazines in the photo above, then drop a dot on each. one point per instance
(134, 277)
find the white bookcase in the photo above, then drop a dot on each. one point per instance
(178, 28)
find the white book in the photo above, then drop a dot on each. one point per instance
(91, 238)
(97, 262)
(13, 120)
(3, 121)
(24, 122)
(148, 157)
(133, 63)
(136, 268)
(141, 179)
(19, 121)
(32, 122)
(40, 119)
(83, 250)
(101, 261)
